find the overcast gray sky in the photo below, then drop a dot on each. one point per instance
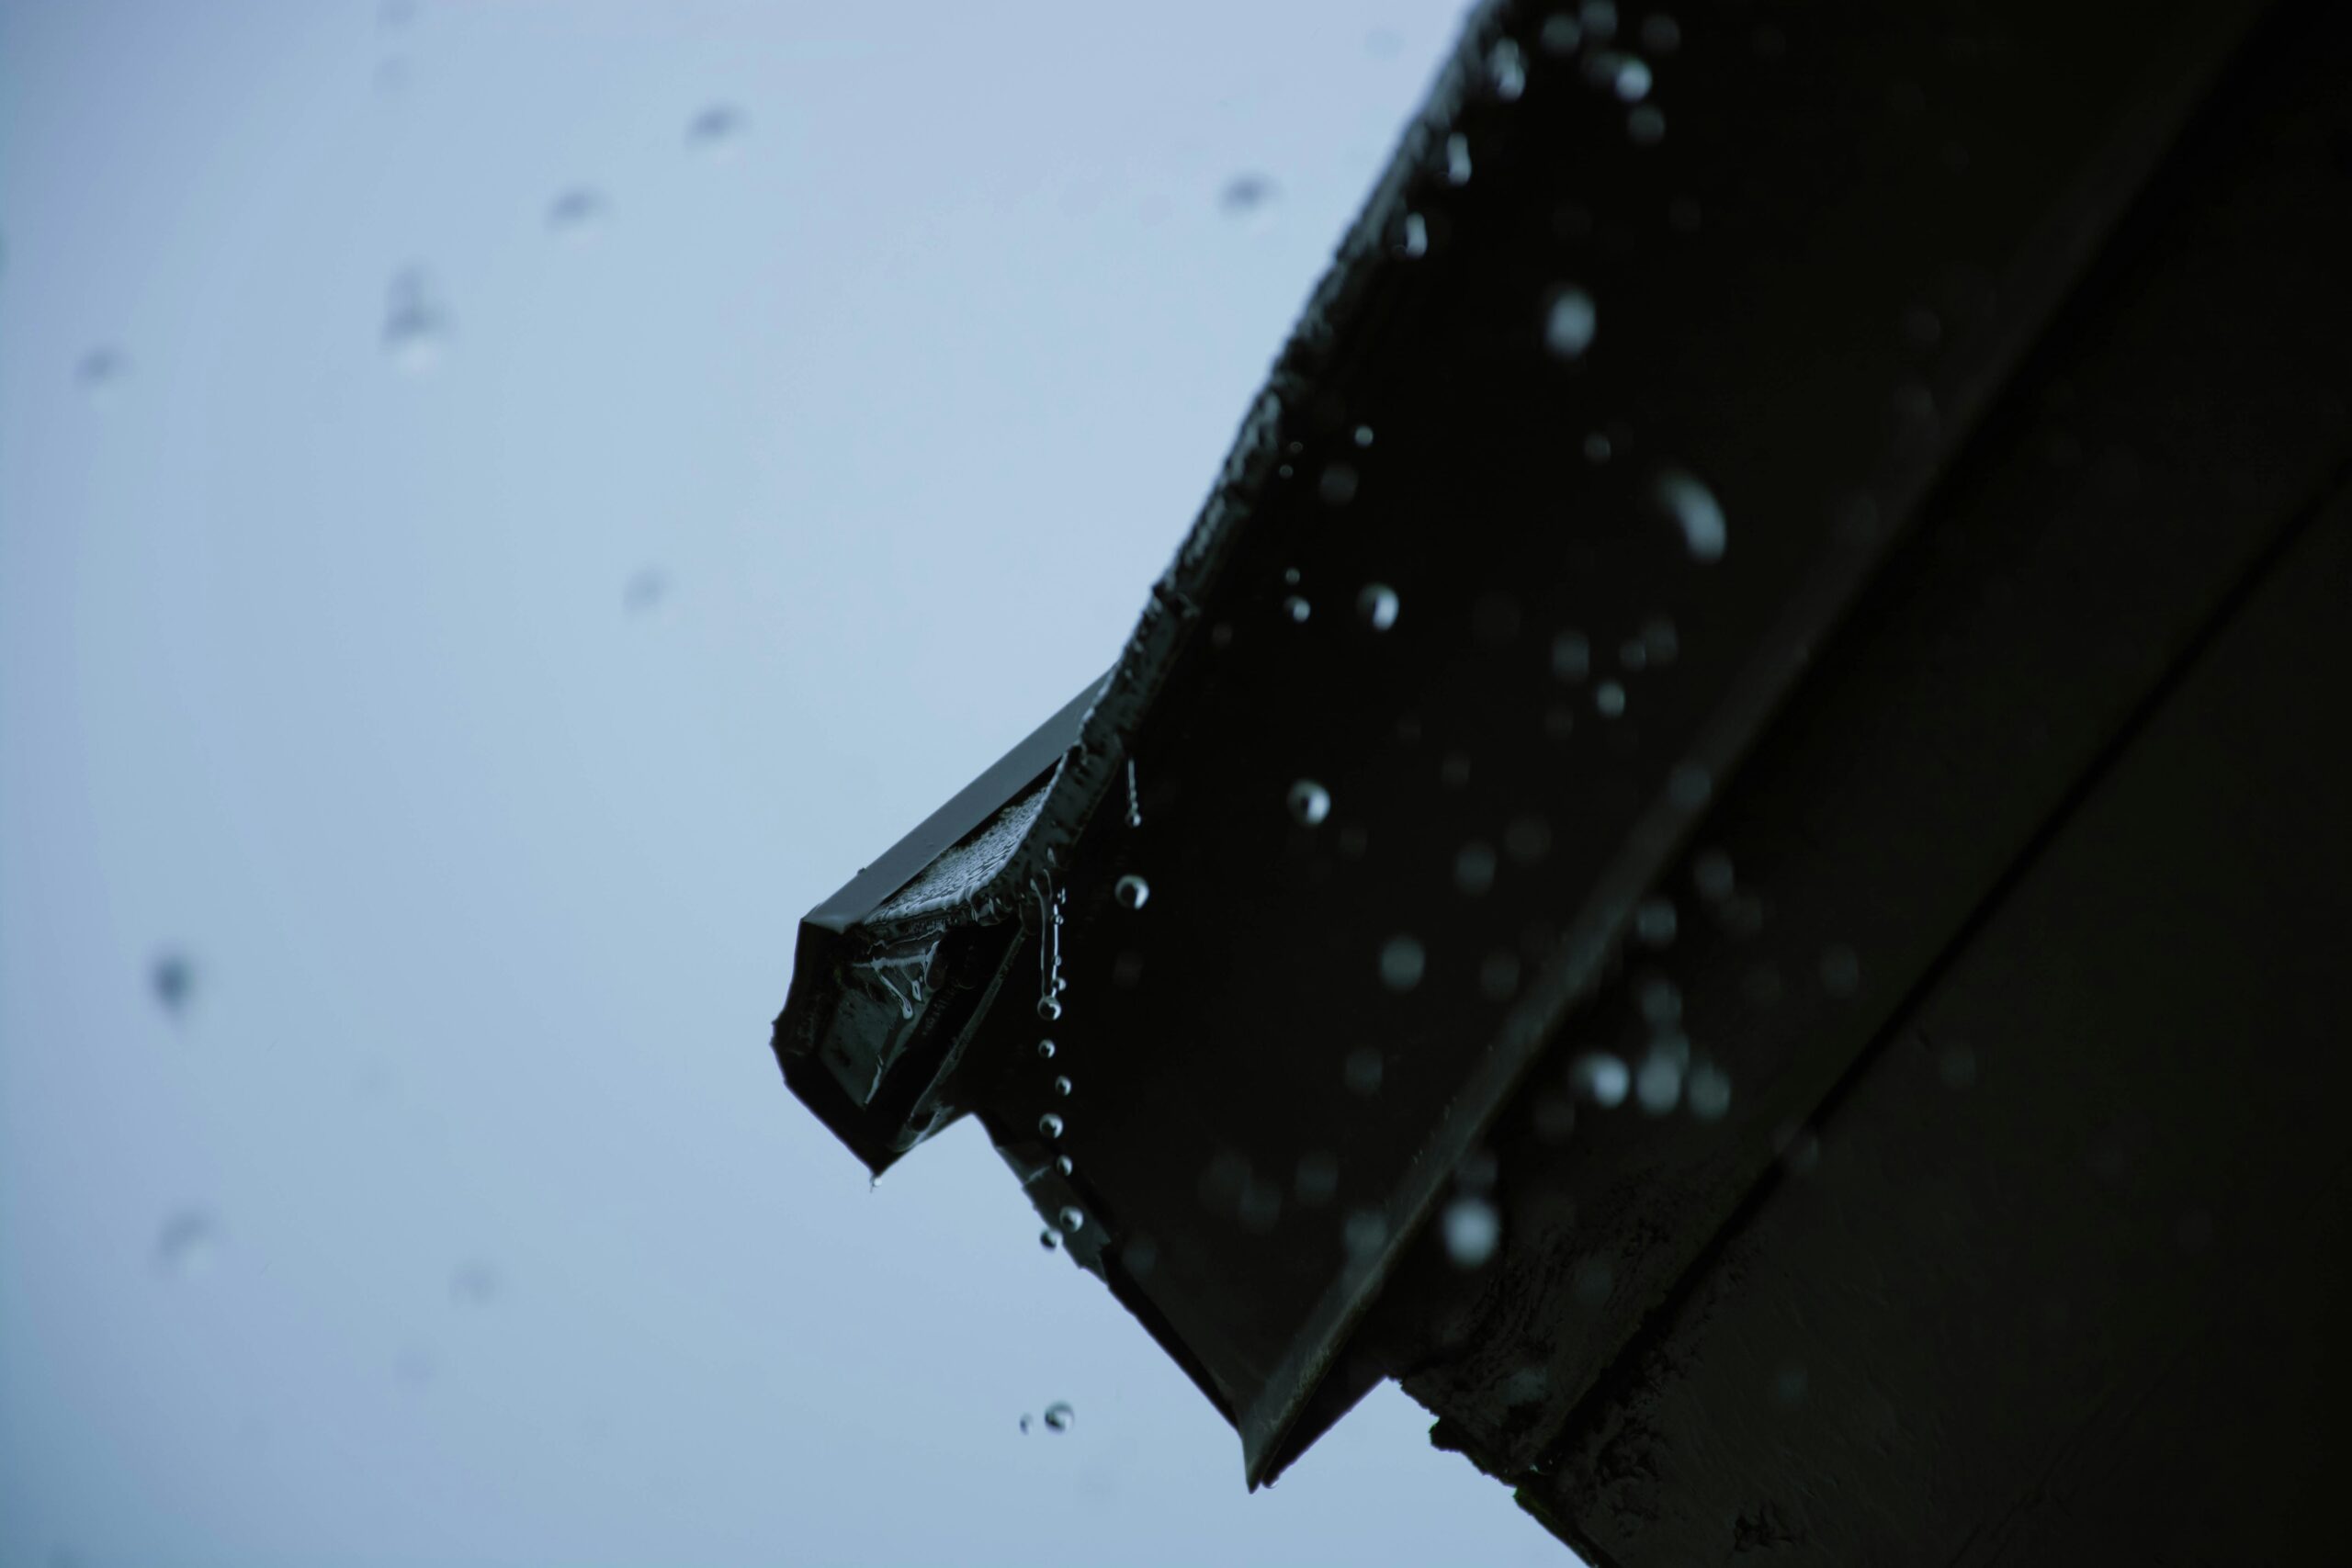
(502, 506)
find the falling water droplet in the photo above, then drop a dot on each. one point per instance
(1025, 1426)
(1049, 1238)
(1417, 237)
(1508, 70)
(474, 1283)
(1296, 608)
(172, 979)
(1570, 319)
(1059, 1417)
(1609, 699)
(1048, 1008)
(1073, 1220)
(1457, 158)
(1630, 80)
(415, 1366)
(1602, 1078)
(1571, 656)
(1132, 891)
(1377, 606)
(1693, 509)
(1062, 1085)
(1658, 1083)
(1708, 1091)
(186, 1243)
(1050, 1125)
(1654, 921)
(1337, 485)
(1318, 1177)
(1471, 1230)
(1310, 803)
(1245, 194)
(574, 210)
(716, 129)
(101, 369)
(1560, 36)
(1046, 1049)
(644, 589)
(416, 324)
(1711, 874)
(1402, 962)
(1665, 644)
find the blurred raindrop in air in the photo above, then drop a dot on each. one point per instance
(1246, 196)
(1059, 1417)
(187, 1243)
(1310, 803)
(575, 209)
(715, 128)
(645, 589)
(1570, 317)
(1377, 604)
(1132, 891)
(172, 979)
(474, 1283)
(101, 369)
(1658, 1083)
(1708, 1091)
(1601, 1077)
(1318, 1177)
(1692, 508)
(415, 1366)
(1402, 960)
(416, 324)
(1472, 1229)
(1710, 872)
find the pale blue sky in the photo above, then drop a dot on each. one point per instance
(460, 1216)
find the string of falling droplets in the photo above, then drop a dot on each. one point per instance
(1049, 948)
(1134, 797)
